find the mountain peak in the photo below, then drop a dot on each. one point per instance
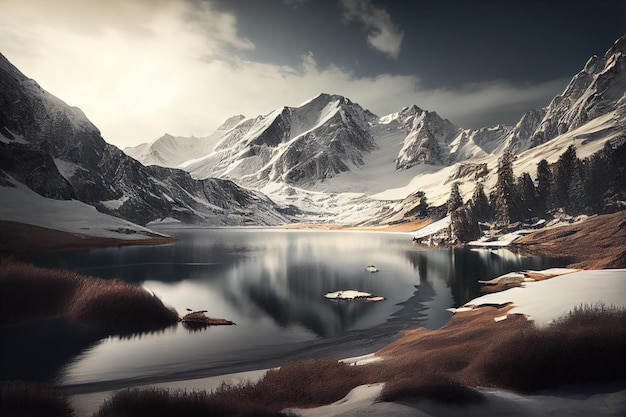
(231, 122)
(618, 47)
(325, 98)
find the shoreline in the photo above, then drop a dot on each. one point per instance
(18, 237)
(557, 237)
(596, 243)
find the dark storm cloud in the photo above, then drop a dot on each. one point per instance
(382, 34)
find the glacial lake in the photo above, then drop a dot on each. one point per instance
(271, 283)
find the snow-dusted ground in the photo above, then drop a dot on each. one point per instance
(360, 402)
(432, 228)
(20, 204)
(544, 301)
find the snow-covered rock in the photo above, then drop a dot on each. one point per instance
(54, 150)
(595, 91)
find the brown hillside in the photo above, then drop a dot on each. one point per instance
(596, 243)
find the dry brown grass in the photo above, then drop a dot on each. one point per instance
(26, 399)
(596, 243)
(20, 237)
(306, 383)
(443, 365)
(28, 292)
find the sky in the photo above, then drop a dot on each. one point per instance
(141, 68)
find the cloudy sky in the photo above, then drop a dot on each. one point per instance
(140, 68)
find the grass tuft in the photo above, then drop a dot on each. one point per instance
(29, 293)
(441, 365)
(27, 399)
(437, 388)
(584, 347)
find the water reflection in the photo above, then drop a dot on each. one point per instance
(245, 274)
(271, 283)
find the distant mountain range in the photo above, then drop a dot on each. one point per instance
(321, 139)
(330, 135)
(326, 160)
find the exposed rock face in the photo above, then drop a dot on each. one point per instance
(321, 139)
(295, 145)
(595, 91)
(519, 140)
(325, 137)
(428, 140)
(56, 151)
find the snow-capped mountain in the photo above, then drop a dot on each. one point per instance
(596, 91)
(328, 159)
(317, 141)
(332, 145)
(54, 150)
(297, 145)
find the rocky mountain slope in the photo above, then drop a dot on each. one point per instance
(332, 144)
(596, 91)
(327, 159)
(54, 150)
(321, 139)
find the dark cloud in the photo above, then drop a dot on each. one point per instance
(382, 34)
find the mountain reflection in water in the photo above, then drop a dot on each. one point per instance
(271, 282)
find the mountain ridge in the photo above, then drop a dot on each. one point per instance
(54, 150)
(328, 159)
(421, 141)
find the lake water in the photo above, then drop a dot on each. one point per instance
(272, 282)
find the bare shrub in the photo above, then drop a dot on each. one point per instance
(27, 399)
(309, 383)
(28, 292)
(432, 387)
(165, 403)
(116, 304)
(586, 346)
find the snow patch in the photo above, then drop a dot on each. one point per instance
(67, 169)
(6, 136)
(20, 204)
(432, 228)
(547, 300)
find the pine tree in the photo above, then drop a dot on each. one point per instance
(506, 199)
(600, 179)
(576, 202)
(527, 194)
(455, 201)
(562, 178)
(479, 204)
(544, 178)
(463, 225)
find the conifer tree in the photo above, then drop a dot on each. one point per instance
(576, 201)
(527, 194)
(506, 199)
(544, 178)
(600, 179)
(479, 204)
(463, 225)
(455, 201)
(562, 178)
